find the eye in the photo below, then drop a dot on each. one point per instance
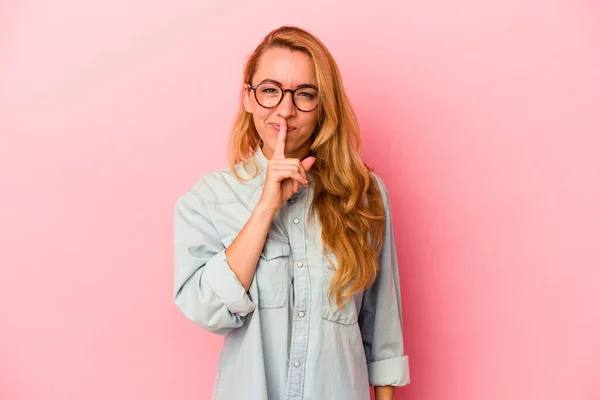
(267, 89)
(306, 95)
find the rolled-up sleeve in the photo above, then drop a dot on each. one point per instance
(381, 317)
(206, 291)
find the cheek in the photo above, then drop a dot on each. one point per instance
(310, 123)
(260, 117)
(308, 127)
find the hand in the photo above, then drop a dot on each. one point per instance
(284, 175)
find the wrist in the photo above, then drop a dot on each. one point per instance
(263, 212)
(384, 392)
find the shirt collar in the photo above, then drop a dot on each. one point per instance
(261, 161)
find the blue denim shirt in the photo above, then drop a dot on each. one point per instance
(283, 339)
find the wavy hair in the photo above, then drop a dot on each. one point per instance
(347, 198)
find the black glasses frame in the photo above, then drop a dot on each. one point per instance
(283, 92)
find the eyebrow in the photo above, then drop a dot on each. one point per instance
(304, 85)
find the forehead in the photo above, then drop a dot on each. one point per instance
(291, 68)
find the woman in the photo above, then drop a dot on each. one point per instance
(290, 252)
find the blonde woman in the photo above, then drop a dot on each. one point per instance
(290, 251)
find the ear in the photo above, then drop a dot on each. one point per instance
(246, 97)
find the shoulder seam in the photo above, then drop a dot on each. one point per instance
(195, 193)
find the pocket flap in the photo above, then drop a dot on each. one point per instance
(274, 248)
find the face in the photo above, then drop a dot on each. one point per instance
(291, 69)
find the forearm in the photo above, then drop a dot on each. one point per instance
(384, 392)
(243, 253)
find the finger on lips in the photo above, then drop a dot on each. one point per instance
(298, 174)
(279, 151)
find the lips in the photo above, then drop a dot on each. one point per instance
(276, 126)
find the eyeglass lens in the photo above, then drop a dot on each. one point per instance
(269, 95)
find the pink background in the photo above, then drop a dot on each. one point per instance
(482, 118)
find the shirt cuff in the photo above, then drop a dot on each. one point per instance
(393, 371)
(226, 285)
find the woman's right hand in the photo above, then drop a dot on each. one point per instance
(284, 175)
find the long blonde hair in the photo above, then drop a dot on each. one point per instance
(346, 195)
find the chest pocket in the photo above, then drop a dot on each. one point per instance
(271, 277)
(272, 273)
(348, 314)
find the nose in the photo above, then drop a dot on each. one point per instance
(286, 108)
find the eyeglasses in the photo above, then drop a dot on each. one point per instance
(269, 95)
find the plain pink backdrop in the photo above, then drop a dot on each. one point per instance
(482, 118)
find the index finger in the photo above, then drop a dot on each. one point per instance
(279, 151)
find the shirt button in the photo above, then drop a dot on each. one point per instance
(301, 314)
(299, 264)
(296, 220)
(296, 364)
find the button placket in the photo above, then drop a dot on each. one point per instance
(302, 298)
